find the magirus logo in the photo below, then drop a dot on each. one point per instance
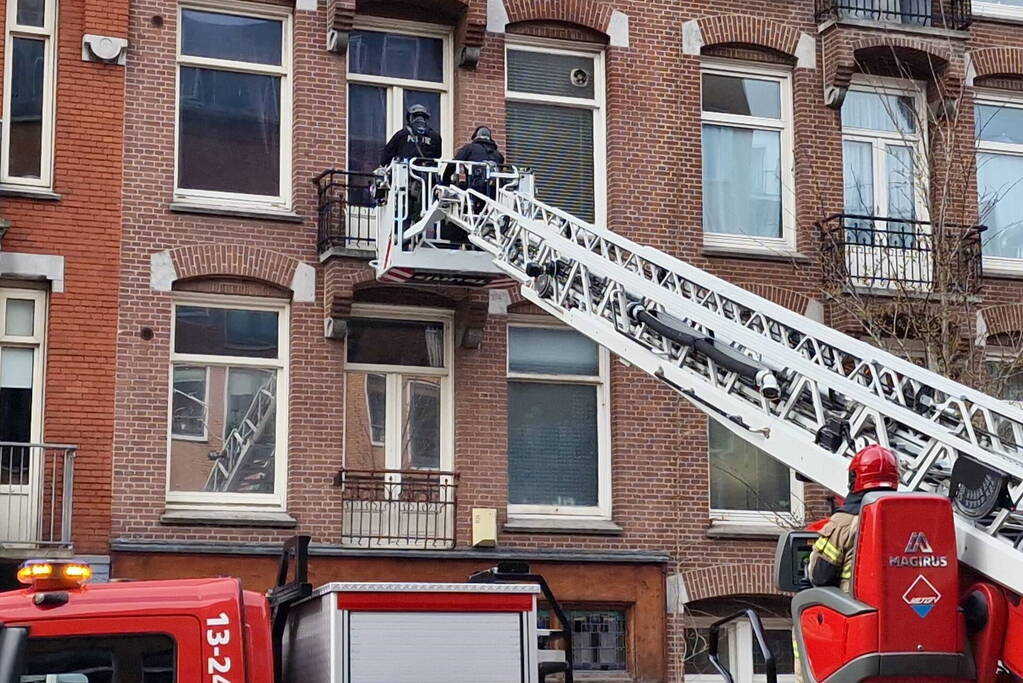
(918, 543)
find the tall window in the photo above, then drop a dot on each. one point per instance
(999, 174)
(228, 401)
(747, 486)
(398, 405)
(22, 329)
(555, 119)
(883, 170)
(26, 134)
(747, 156)
(558, 424)
(234, 106)
(738, 651)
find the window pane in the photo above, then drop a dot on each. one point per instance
(779, 641)
(28, 79)
(31, 12)
(225, 332)
(396, 342)
(598, 637)
(901, 202)
(697, 646)
(396, 55)
(551, 351)
(188, 407)
(430, 100)
(229, 132)
(742, 181)
(557, 143)
(16, 394)
(879, 111)
(745, 96)
(20, 318)
(16, 368)
(420, 423)
(552, 444)
(550, 74)
(367, 126)
(365, 421)
(743, 477)
(1000, 190)
(999, 124)
(229, 36)
(97, 658)
(858, 172)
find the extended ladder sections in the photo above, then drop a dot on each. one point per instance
(799, 390)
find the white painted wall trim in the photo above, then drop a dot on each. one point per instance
(34, 267)
(806, 52)
(676, 593)
(306, 5)
(303, 284)
(499, 301)
(497, 16)
(162, 273)
(970, 69)
(692, 38)
(618, 29)
(692, 44)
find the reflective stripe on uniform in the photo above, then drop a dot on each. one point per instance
(847, 571)
(830, 551)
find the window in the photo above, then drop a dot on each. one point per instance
(881, 155)
(398, 402)
(26, 133)
(558, 424)
(22, 330)
(95, 659)
(747, 156)
(555, 124)
(598, 638)
(748, 486)
(999, 9)
(999, 170)
(234, 106)
(738, 651)
(228, 404)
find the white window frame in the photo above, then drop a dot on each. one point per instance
(397, 86)
(602, 383)
(881, 140)
(786, 243)
(205, 436)
(740, 641)
(994, 10)
(37, 342)
(598, 104)
(768, 519)
(393, 375)
(240, 201)
(47, 33)
(226, 500)
(998, 265)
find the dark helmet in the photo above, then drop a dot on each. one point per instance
(482, 133)
(415, 111)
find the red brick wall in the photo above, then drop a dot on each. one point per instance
(83, 226)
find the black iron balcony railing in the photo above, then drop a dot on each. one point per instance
(398, 508)
(953, 14)
(347, 211)
(900, 255)
(36, 484)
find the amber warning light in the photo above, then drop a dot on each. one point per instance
(46, 575)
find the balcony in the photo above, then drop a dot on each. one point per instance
(950, 14)
(899, 256)
(36, 484)
(347, 212)
(398, 509)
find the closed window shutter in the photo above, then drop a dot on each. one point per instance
(557, 144)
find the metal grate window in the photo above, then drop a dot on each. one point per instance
(598, 638)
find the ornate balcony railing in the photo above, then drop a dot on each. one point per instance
(347, 211)
(36, 484)
(900, 255)
(398, 508)
(953, 14)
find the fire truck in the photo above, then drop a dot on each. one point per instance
(938, 573)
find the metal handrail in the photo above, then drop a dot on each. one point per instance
(953, 14)
(37, 480)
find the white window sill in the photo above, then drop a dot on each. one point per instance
(1003, 267)
(566, 525)
(28, 192)
(720, 528)
(750, 250)
(252, 518)
(1009, 14)
(257, 212)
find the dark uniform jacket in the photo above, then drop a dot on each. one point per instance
(477, 150)
(407, 144)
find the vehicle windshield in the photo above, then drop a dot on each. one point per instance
(100, 659)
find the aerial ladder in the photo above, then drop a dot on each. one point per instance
(804, 393)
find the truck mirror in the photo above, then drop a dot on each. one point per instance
(790, 560)
(13, 642)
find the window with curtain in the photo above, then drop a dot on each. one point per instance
(22, 331)
(999, 127)
(558, 455)
(27, 111)
(747, 164)
(555, 120)
(234, 102)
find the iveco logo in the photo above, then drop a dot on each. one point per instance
(918, 543)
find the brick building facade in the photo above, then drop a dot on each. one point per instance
(60, 221)
(380, 418)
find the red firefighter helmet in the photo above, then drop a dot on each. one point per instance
(874, 467)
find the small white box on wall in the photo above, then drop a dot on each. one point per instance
(484, 527)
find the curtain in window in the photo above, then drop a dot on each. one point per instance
(742, 181)
(743, 477)
(1000, 190)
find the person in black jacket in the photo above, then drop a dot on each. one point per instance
(416, 140)
(480, 149)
